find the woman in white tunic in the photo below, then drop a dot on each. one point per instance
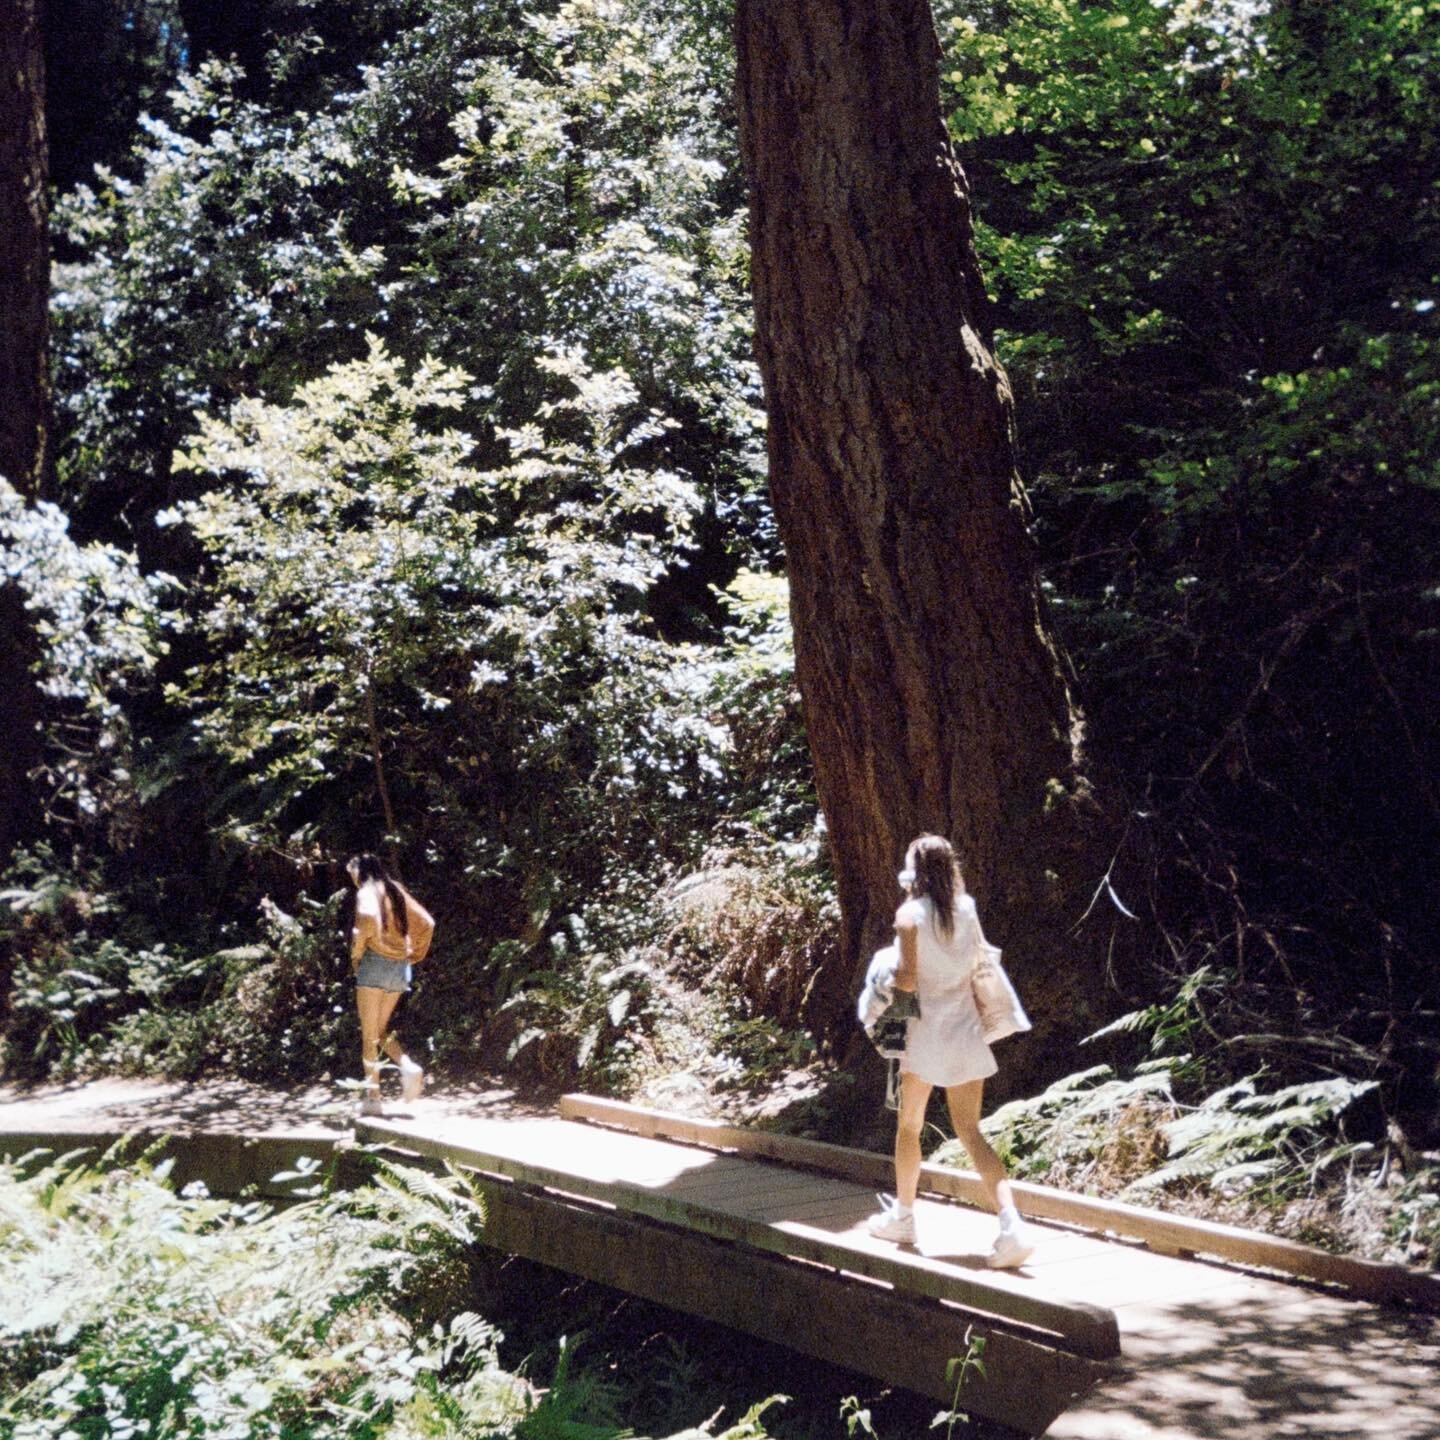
(940, 941)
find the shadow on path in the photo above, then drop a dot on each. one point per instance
(1321, 1368)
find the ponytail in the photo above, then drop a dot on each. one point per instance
(937, 874)
(367, 868)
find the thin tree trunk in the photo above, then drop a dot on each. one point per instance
(24, 380)
(372, 720)
(24, 250)
(934, 698)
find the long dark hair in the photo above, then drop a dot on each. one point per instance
(937, 874)
(367, 867)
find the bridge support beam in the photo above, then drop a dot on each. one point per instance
(843, 1319)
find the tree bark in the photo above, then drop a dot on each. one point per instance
(24, 378)
(24, 250)
(372, 721)
(934, 698)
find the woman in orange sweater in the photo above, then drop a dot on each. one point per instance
(391, 929)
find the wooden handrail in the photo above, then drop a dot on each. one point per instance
(1167, 1234)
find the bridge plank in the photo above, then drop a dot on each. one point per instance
(547, 1161)
(746, 1176)
(836, 1211)
(764, 1189)
(828, 1209)
(1164, 1233)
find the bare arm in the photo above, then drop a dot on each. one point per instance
(418, 913)
(364, 929)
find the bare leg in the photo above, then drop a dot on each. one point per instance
(368, 1001)
(964, 1103)
(412, 1077)
(390, 1042)
(914, 1097)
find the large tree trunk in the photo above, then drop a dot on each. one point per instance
(934, 697)
(24, 375)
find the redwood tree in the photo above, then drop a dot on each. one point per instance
(934, 697)
(24, 371)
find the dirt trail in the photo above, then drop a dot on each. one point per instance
(234, 1107)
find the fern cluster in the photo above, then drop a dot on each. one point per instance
(1133, 1135)
(131, 1310)
(128, 1311)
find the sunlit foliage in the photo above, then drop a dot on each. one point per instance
(1211, 229)
(132, 1311)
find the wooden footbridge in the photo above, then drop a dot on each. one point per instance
(1126, 1325)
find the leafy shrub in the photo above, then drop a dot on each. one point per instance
(1093, 1128)
(588, 995)
(288, 1008)
(1233, 469)
(141, 1310)
(1412, 1219)
(97, 622)
(376, 594)
(755, 1051)
(1276, 1140)
(132, 1310)
(761, 920)
(91, 992)
(77, 963)
(767, 787)
(585, 1019)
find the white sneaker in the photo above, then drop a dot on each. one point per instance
(412, 1081)
(370, 1104)
(890, 1224)
(1012, 1248)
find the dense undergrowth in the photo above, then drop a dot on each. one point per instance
(105, 977)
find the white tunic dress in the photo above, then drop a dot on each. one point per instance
(946, 1045)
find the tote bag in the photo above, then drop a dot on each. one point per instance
(999, 1007)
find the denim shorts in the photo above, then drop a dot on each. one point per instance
(377, 973)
